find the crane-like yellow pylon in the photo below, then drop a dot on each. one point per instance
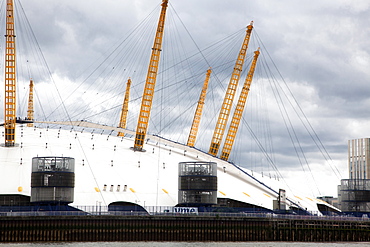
(198, 113)
(30, 105)
(124, 112)
(229, 96)
(233, 128)
(151, 78)
(10, 77)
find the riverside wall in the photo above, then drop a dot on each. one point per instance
(178, 228)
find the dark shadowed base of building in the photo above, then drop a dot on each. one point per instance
(182, 228)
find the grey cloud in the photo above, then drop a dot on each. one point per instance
(318, 46)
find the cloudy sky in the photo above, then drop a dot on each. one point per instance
(317, 50)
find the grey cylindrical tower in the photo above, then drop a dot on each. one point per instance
(53, 180)
(197, 183)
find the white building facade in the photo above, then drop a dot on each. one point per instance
(354, 193)
(359, 158)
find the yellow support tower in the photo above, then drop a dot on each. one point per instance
(233, 129)
(198, 112)
(30, 105)
(10, 80)
(229, 96)
(124, 112)
(151, 78)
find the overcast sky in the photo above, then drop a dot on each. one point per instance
(321, 49)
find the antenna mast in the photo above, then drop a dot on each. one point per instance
(198, 112)
(229, 96)
(123, 119)
(233, 128)
(10, 80)
(151, 78)
(30, 105)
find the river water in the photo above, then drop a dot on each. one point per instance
(186, 244)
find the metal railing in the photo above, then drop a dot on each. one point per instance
(166, 211)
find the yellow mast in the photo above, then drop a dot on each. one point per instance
(124, 112)
(151, 78)
(30, 105)
(229, 96)
(198, 112)
(10, 80)
(233, 129)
